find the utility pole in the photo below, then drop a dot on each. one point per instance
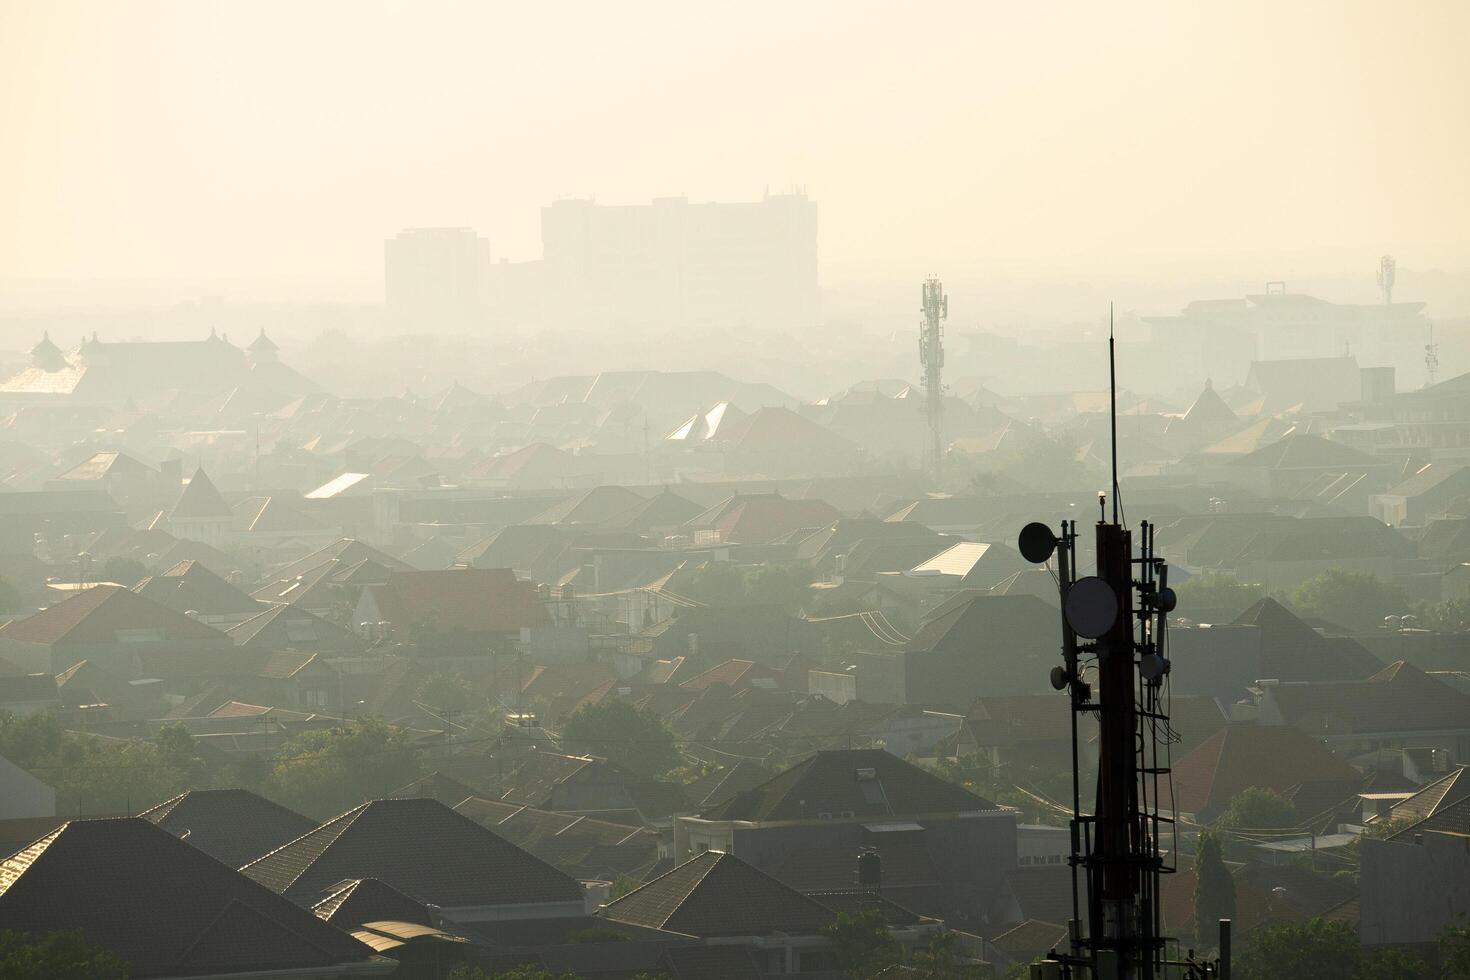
(935, 307)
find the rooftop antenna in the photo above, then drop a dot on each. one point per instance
(1386, 269)
(935, 307)
(1115, 669)
(1113, 408)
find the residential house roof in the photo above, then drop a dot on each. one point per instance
(420, 847)
(101, 614)
(364, 900)
(1243, 754)
(1445, 791)
(162, 907)
(1301, 451)
(1399, 698)
(200, 501)
(190, 586)
(862, 782)
(760, 518)
(233, 826)
(477, 600)
(282, 626)
(717, 894)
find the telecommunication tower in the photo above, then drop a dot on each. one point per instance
(935, 308)
(1115, 668)
(1431, 356)
(1386, 269)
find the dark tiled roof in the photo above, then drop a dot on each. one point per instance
(717, 894)
(581, 846)
(369, 900)
(188, 585)
(1445, 791)
(232, 826)
(1451, 819)
(420, 847)
(1029, 939)
(1399, 698)
(163, 907)
(436, 786)
(289, 626)
(839, 782)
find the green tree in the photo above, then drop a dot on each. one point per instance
(1258, 809)
(1217, 595)
(445, 692)
(1450, 616)
(1356, 600)
(787, 586)
(123, 571)
(1454, 953)
(1388, 963)
(862, 944)
(327, 771)
(178, 751)
(517, 973)
(717, 583)
(55, 956)
(1311, 950)
(625, 734)
(1214, 889)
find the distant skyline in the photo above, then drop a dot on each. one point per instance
(1036, 142)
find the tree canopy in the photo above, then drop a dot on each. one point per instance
(625, 734)
(1258, 809)
(55, 956)
(1320, 950)
(1221, 596)
(1214, 890)
(327, 771)
(1356, 600)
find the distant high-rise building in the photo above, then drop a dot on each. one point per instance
(437, 278)
(671, 263)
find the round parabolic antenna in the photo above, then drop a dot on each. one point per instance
(1037, 542)
(1092, 607)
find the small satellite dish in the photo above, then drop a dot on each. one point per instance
(1152, 666)
(1092, 607)
(1168, 599)
(1037, 542)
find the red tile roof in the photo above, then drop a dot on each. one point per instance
(478, 600)
(97, 615)
(1242, 755)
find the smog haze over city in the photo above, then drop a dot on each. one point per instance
(654, 490)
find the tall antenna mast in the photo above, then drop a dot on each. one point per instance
(1387, 268)
(1113, 408)
(1114, 669)
(935, 307)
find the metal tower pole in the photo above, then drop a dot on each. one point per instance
(935, 307)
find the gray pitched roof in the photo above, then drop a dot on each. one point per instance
(232, 826)
(717, 894)
(420, 847)
(863, 782)
(163, 907)
(200, 501)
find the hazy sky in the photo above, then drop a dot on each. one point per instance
(197, 139)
